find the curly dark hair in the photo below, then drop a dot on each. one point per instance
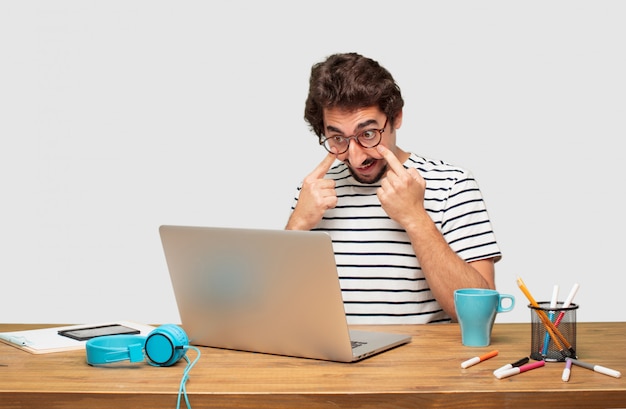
(350, 81)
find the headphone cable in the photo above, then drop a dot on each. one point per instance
(182, 389)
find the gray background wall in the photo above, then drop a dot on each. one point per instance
(119, 116)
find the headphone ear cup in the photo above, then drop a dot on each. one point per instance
(166, 345)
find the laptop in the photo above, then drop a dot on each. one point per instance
(266, 291)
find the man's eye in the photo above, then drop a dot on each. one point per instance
(337, 139)
(368, 135)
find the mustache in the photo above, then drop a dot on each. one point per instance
(366, 162)
(370, 180)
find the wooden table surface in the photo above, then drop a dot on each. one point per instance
(424, 373)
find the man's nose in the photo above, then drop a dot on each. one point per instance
(356, 154)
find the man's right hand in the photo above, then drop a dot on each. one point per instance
(316, 196)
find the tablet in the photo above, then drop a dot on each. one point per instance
(84, 334)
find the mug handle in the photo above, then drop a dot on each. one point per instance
(503, 297)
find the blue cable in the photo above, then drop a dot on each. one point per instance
(182, 390)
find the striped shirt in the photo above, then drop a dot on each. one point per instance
(380, 276)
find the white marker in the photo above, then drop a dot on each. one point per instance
(567, 370)
(513, 365)
(514, 371)
(597, 368)
(566, 303)
(477, 359)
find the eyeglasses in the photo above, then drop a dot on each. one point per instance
(368, 139)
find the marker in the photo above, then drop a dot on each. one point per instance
(554, 332)
(566, 303)
(514, 371)
(18, 340)
(512, 365)
(553, 301)
(596, 368)
(567, 370)
(515, 364)
(477, 359)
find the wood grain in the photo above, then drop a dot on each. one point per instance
(424, 373)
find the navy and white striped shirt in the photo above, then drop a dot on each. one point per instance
(380, 276)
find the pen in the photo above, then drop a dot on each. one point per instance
(567, 369)
(512, 365)
(553, 301)
(514, 371)
(477, 359)
(554, 332)
(596, 368)
(566, 303)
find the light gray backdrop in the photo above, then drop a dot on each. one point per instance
(119, 116)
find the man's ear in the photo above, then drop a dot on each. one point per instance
(397, 121)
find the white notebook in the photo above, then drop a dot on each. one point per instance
(46, 340)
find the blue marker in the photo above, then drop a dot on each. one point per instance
(553, 302)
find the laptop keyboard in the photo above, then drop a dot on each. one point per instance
(356, 344)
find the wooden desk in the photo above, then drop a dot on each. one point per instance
(425, 373)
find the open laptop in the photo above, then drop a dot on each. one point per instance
(268, 291)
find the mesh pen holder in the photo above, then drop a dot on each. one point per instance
(543, 346)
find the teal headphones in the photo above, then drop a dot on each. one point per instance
(164, 346)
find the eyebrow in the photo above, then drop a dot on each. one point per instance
(360, 126)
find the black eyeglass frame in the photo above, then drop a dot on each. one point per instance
(356, 138)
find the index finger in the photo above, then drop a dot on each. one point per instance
(320, 171)
(391, 159)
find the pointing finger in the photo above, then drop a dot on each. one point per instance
(391, 159)
(323, 167)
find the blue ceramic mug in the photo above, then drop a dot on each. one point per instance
(476, 310)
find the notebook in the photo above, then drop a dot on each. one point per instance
(267, 291)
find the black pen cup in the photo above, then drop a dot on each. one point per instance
(553, 332)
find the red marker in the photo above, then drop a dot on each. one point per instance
(514, 371)
(566, 303)
(477, 359)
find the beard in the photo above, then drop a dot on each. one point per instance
(367, 179)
